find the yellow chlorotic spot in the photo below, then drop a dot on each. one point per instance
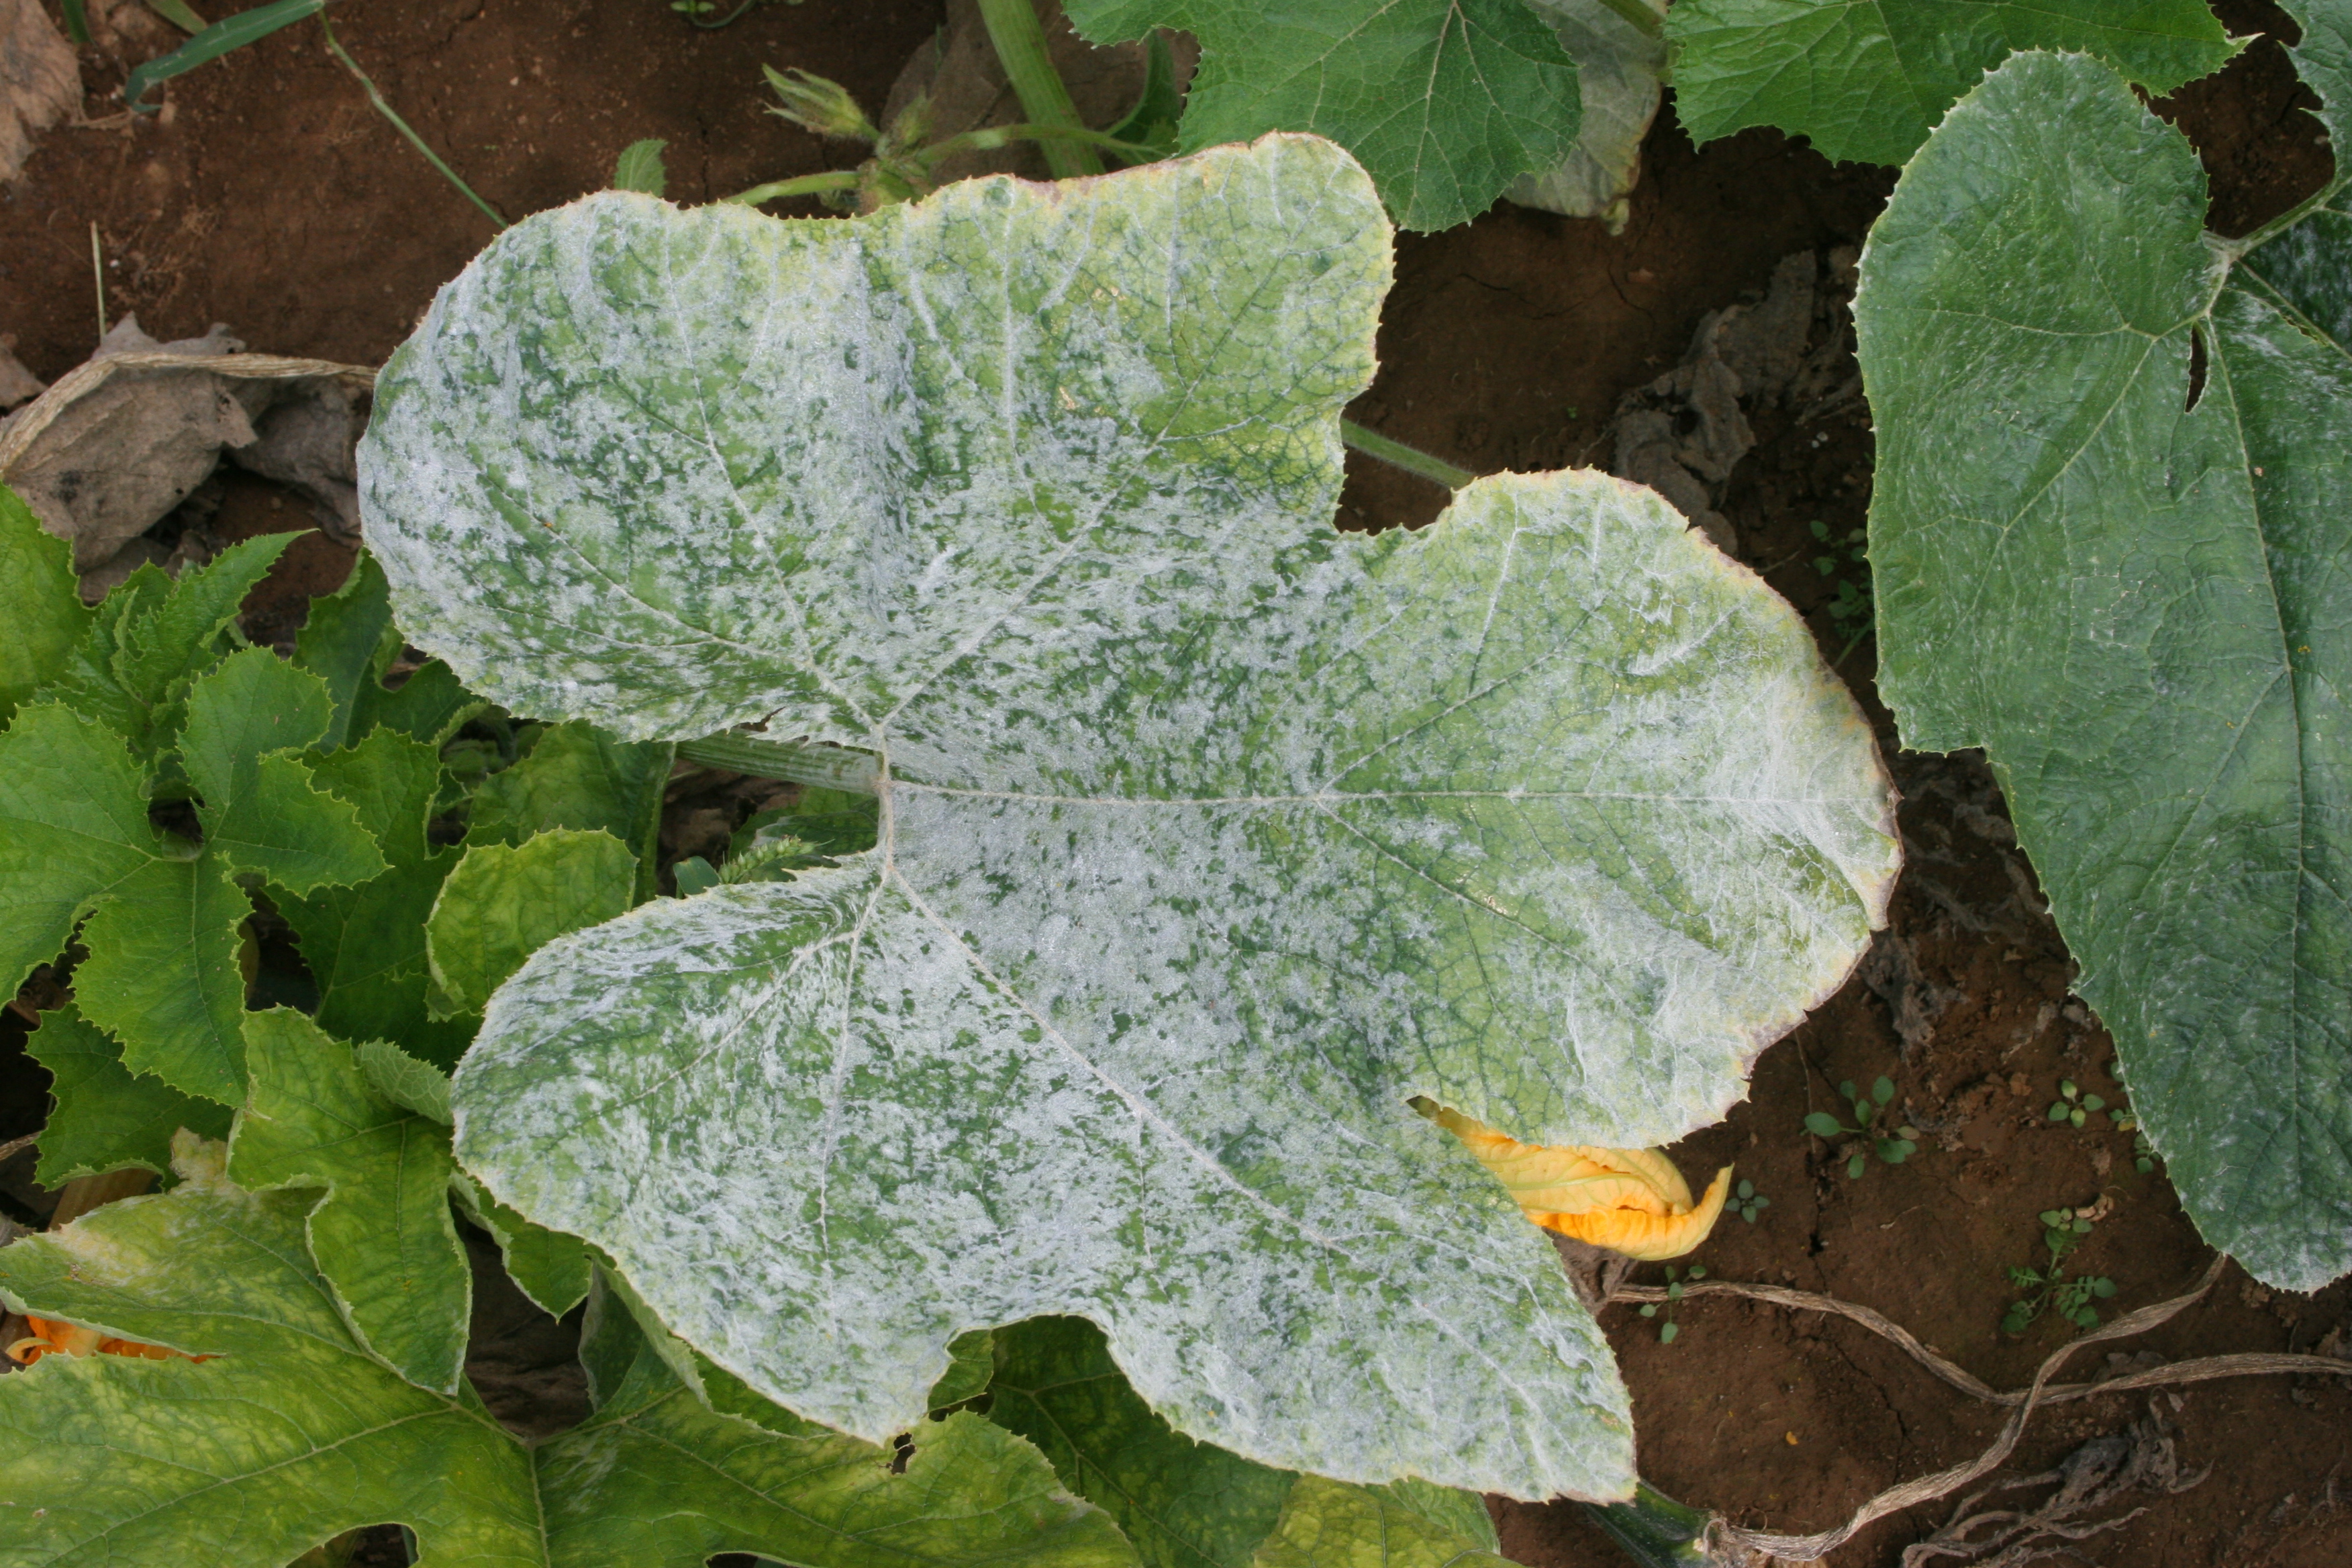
(1632, 1201)
(50, 1338)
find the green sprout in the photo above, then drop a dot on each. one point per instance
(2072, 1105)
(1746, 1202)
(1851, 610)
(1894, 1150)
(1670, 1330)
(2050, 1288)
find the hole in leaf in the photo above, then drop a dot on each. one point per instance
(2196, 366)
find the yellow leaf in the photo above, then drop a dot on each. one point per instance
(1632, 1201)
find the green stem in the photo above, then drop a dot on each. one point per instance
(1655, 1530)
(1411, 460)
(335, 47)
(800, 186)
(1020, 40)
(1001, 135)
(1638, 17)
(802, 761)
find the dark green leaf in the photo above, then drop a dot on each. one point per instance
(1445, 102)
(2130, 601)
(640, 167)
(46, 614)
(107, 1117)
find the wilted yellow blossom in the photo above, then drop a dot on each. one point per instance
(47, 1337)
(1632, 1201)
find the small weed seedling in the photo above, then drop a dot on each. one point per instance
(1748, 1202)
(1893, 1150)
(2050, 1289)
(1675, 1279)
(1847, 560)
(2072, 1105)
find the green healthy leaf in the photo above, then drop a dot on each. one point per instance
(1187, 1505)
(972, 1362)
(428, 705)
(550, 1267)
(640, 167)
(1327, 1525)
(347, 642)
(73, 831)
(1867, 80)
(1213, 834)
(1183, 1504)
(365, 943)
(578, 776)
(296, 1434)
(1445, 102)
(261, 809)
(2135, 605)
(164, 974)
(502, 904)
(151, 637)
(107, 1117)
(406, 1082)
(382, 1236)
(46, 614)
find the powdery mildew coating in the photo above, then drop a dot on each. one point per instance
(2141, 609)
(1210, 835)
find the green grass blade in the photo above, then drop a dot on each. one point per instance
(213, 42)
(179, 14)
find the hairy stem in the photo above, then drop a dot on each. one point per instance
(1020, 40)
(801, 762)
(800, 186)
(1411, 460)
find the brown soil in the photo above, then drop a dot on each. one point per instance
(270, 197)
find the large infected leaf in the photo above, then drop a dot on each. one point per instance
(1867, 80)
(295, 1435)
(1445, 102)
(2131, 588)
(1210, 835)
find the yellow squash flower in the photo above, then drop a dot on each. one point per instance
(1632, 1201)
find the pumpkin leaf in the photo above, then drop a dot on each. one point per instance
(380, 1231)
(45, 613)
(1445, 102)
(1867, 80)
(502, 904)
(1187, 1505)
(2127, 586)
(163, 911)
(107, 1117)
(295, 1433)
(1210, 835)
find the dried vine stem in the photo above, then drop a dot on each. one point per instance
(1729, 1543)
(2202, 1370)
